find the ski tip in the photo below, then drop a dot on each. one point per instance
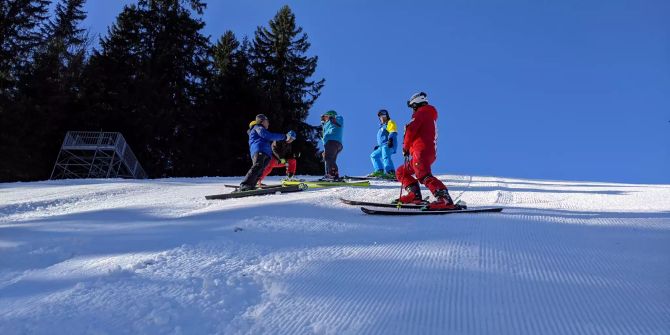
(430, 212)
(367, 211)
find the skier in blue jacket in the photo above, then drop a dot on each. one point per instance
(332, 128)
(387, 144)
(260, 148)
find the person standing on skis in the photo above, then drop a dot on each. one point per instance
(283, 156)
(260, 148)
(332, 129)
(387, 144)
(420, 151)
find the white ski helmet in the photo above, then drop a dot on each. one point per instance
(417, 100)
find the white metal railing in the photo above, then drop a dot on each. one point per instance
(124, 151)
(90, 139)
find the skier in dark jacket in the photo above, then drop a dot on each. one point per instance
(260, 148)
(282, 156)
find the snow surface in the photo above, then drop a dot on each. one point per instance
(155, 257)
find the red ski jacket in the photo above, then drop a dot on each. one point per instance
(421, 132)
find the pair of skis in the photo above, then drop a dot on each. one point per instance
(287, 186)
(368, 178)
(323, 184)
(263, 190)
(410, 209)
(379, 208)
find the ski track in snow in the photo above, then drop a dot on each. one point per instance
(155, 257)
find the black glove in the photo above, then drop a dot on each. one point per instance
(376, 147)
(405, 152)
(390, 142)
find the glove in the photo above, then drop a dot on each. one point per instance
(333, 120)
(376, 147)
(390, 143)
(405, 152)
(283, 161)
(291, 135)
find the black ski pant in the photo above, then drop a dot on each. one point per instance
(330, 152)
(258, 163)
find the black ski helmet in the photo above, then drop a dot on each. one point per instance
(383, 112)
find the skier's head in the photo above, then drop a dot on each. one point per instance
(263, 120)
(327, 115)
(383, 115)
(417, 100)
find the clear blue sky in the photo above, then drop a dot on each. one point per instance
(574, 90)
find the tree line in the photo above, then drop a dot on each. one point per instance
(182, 101)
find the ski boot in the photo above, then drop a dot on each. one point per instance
(244, 187)
(377, 174)
(389, 176)
(331, 179)
(443, 202)
(413, 196)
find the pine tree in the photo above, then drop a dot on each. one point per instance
(64, 54)
(51, 89)
(225, 52)
(20, 21)
(284, 71)
(147, 79)
(221, 127)
(20, 37)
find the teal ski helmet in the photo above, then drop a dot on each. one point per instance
(330, 113)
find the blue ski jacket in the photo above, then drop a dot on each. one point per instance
(332, 131)
(260, 140)
(388, 130)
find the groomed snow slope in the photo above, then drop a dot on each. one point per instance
(155, 257)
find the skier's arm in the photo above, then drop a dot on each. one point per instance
(392, 128)
(264, 133)
(339, 121)
(412, 129)
(393, 139)
(275, 150)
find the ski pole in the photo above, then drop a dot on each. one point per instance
(464, 190)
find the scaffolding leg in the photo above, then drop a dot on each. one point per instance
(53, 171)
(95, 154)
(111, 164)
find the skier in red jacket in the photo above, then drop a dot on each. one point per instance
(420, 142)
(282, 157)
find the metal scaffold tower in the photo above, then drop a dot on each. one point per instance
(86, 154)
